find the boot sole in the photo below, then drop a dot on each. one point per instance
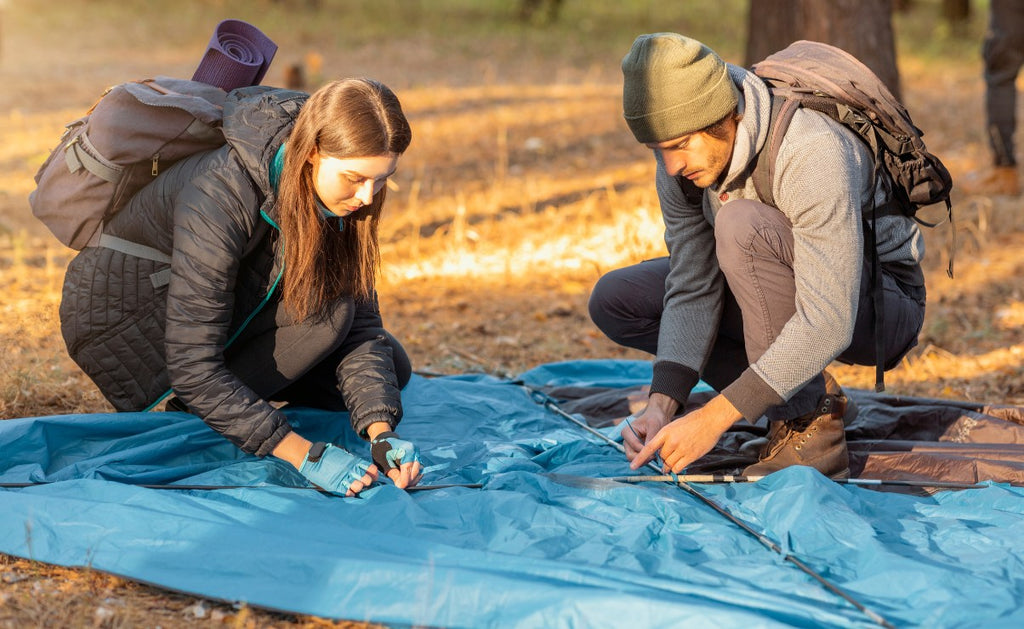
(844, 475)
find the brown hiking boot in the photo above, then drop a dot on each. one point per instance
(832, 386)
(999, 180)
(816, 440)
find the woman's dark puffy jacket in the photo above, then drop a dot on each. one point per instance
(136, 335)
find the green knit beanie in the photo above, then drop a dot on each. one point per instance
(672, 86)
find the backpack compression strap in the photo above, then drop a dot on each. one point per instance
(160, 278)
(763, 174)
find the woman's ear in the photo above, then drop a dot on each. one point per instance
(313, 156)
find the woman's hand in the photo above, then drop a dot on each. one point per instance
(398, 457)
(337, 470)
(342, 473)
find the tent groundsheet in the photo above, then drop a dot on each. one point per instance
(545, 542)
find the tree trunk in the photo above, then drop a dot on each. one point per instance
(861, 27)
(957, 14)
(956, 10)
(771, 26)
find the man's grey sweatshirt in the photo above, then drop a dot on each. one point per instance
(823, 179)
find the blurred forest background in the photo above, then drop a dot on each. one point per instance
(522, 186)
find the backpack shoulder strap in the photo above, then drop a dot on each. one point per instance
(763, 173)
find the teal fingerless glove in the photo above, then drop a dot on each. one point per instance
(334, 469)
(389, 451)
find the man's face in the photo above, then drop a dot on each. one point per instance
(700, 157)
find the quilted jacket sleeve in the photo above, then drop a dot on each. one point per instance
(366, 375)
(214, 217)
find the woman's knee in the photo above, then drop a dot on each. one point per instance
(403, 365)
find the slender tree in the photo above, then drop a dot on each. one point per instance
(957, 14)
(956, 10)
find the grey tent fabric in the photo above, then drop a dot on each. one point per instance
(892, 437)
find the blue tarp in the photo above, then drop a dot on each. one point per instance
(540, 545)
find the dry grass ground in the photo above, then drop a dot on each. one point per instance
(521, 188)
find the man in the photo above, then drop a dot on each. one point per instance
(756, 300)
(1003, 53)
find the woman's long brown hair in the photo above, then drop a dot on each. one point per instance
(350, 118)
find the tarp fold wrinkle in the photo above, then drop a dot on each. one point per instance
(530, 549)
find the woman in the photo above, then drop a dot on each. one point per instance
(245, 275)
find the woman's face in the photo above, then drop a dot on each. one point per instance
(345, 185)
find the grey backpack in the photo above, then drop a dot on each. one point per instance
(132, 134)
(829, 80)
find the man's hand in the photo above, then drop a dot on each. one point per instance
(398, 457)
(640, 429)
(688, 438)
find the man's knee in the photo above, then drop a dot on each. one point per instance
(627, 298)
(734, 227)
(606, 305)
(742, 226)
(626, 304)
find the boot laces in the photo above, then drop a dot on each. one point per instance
(799, 429)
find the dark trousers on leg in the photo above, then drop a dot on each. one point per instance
(760, 297)
(296, 361)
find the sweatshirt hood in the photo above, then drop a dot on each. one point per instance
(752, 131)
